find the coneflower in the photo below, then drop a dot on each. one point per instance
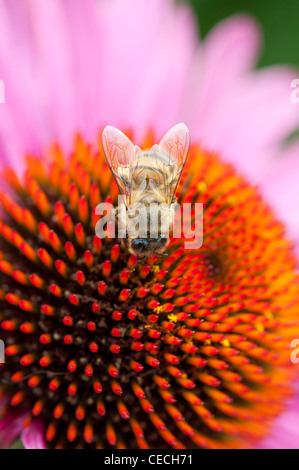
(190, 351)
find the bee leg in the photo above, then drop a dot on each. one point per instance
(140, 260)
(161, 254)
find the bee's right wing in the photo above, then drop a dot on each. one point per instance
(119, 152)
(175, 146)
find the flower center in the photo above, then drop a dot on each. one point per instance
(187, 351)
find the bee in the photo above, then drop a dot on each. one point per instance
(147, 179)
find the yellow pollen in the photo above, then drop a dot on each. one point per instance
(155, 269)
(172, 318)
(225, 343)
(259, 327)
(158, 309)
(202, 186)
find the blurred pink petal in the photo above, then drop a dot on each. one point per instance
(259, 112)
(90, 71)
(142, 79)
(284, 434)
(33, 436)
(19, 127)
(227, 54)
(241, 114)
(280, 186)
(10, 428)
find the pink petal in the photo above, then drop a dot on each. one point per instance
(87, 41)
(33, 436)
(146, 55)
(19, 126)
(284, 433)
(84, 67)
(228, 52)
(253, 118)
(242, 115)
(158, 103)
(280, 186)
(52, 59)
(10, 428)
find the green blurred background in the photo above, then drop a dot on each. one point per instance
(279, 20)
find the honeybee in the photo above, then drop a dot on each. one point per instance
(147, 181)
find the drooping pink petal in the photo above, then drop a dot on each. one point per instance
(33, 436)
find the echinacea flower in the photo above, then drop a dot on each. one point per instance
(190, 351)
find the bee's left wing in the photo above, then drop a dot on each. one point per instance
(174, 147)
(119, 152)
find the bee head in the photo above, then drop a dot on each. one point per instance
(148, 246)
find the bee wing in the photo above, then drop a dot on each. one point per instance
(119, 152)
(175, 144)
